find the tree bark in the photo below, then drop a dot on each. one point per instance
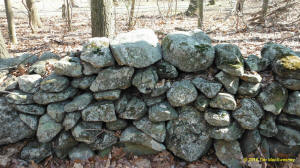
(102, 18)
(3, 51)
(10, 22)
(192, 9)
(200, 13)
(131, 14)
(33, 15)
(69, 15)
(264, 9)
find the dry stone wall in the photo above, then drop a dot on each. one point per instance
(183, 95)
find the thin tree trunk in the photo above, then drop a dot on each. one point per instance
(200, 13)
(3, 51)
(69, 15)
(264, 9)
(130, 24)
(102, 18)
(10, 22)
(192, 9)
(33, 15)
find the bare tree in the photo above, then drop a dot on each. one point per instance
(33, 15)
(200, 13)
(102, 18)
(264, 10)
(3, 51)
(130, 22)
(10, 22)
(192, 9)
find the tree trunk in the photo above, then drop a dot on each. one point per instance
(10, 22)
(131, 14)
(102, 18)
(33, 15)
(192, 9)
(69, 15)
(200, 13)
(264, 9)
(3, 51)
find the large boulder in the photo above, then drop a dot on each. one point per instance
(29, 83)
(182, 93)
(97, 52)
(138, 48)
(188, 51)
(287, 66)
(113, 78)
(229, 59)
(12, 129)
(273, 98)
(187, 136)
(272, 51)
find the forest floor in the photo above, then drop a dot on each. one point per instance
(219, 24)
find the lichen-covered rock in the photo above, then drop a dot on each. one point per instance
(83, 82)
(36, 151)
(287, 66)
(70, 120)
(250, 141)
(8, 82)
(99, 111)
(166, 71)
(249, 114)
(97, 52)
(138, 48)
(88, 69)
(87, 131)
(223, 101)
(30, 109)
(272, 51)
(40, 67)
(150, 101)
(81, 152)
(56, 111)
(187, 51)
(162, 112)
(48, 55)
(187, 136)
(19, 97)
(276, 148)
(135, 109)
(231, 83)
(251, 76)
(273, 98)
(68, 66)
(29, 83)
(113, 78)
(249, 89)
(229, 59)
(42, 97)
(208, 88)
(131, 135)
(145, 80)
(156, 130)
(201, 103)
(288, 136)
(104, 140)
(160, 88)
(79, 102)
(12, 129)
(30, 120)
(256, 63)
(182, 93)
(289, 120)
(229, 153)
(107, 95)
(268, 126)
(216, 117)
(293, 104)
(54, 83)
(119, 124)
(63, 144)
(230, 133)
(292, 84)
(47, 129)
